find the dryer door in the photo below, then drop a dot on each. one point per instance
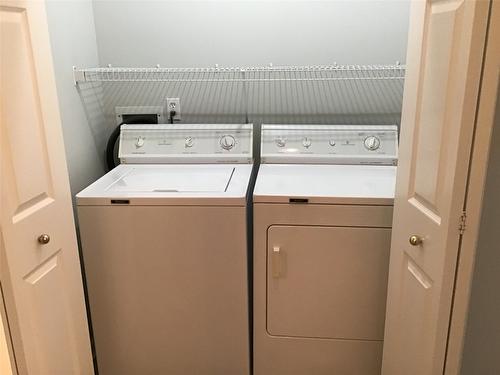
(327, 282)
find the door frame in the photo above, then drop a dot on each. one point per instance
(473, 202)
(7, 335)
(3, 314)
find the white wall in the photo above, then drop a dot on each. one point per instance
(87, 33)
(203, 33)
(73, 42)
(245, 33)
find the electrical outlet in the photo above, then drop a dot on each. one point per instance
(174, 104)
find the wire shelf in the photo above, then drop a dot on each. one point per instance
(319, 94)
(264, 74)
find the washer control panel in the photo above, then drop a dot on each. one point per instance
(219, 143)
(330, 144)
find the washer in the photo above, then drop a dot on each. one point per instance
(164, 244)
(323, 203)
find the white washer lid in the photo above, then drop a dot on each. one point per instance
(332, 184)
(189, 178)
(170, 184)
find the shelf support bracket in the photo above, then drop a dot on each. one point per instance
(78, 76)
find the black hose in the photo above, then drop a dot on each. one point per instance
(110, 147)
(171, 116)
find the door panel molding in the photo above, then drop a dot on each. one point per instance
(484, 123)
(42, 282)
(446, 42)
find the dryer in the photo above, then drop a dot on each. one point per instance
(323, 203)
(164, 246)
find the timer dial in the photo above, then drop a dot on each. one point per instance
(227, 142)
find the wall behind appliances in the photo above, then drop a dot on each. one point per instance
(204, 33)
(73, 42)
(245, 33)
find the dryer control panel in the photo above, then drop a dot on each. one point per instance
(200, 143)
(330, 144)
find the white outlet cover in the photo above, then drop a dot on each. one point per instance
(173, 103)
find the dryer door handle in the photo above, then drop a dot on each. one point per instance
(276, 261)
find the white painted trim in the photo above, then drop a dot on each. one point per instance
(7, 360)
(475, 191)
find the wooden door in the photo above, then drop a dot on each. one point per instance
(40, 275)
(445, 50)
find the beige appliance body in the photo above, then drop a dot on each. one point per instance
(322, 235)
(165, 255)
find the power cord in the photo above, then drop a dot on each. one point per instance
(172, 114)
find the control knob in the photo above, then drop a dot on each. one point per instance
(280, 142)
(189, 142)
(227, 142)
(139, 142)
(372, 143)
(306, 142)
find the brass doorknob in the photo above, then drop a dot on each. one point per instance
(415, 240)
(44, 239)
